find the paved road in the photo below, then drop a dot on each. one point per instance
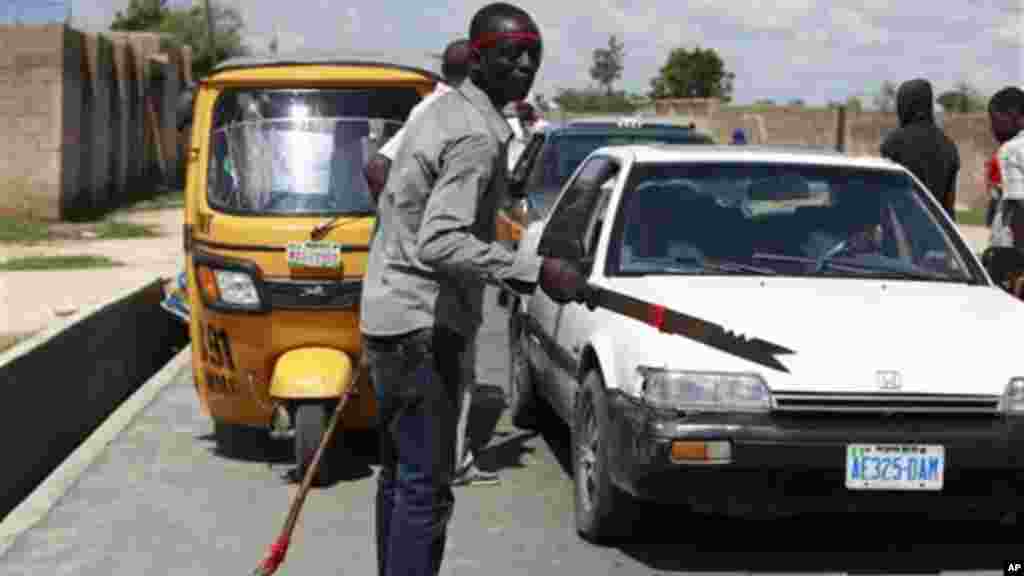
(162, 501)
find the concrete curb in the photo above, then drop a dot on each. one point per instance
(38, 504)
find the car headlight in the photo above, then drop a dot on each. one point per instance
(1013, 398)
(704, 391)
(234, 288)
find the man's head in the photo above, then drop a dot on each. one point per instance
(455, 62)
(1006, 113)
(915, 102)
(506, 52)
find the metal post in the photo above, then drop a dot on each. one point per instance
(841, 129)
(209, 34)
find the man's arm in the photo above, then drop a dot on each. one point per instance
(446, 240)
(888, 148)
(1011, 166)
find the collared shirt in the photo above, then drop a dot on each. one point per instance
(434, 247)
(388, 149)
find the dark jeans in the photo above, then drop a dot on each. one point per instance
(416, 377)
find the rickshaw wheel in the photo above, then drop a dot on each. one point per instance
(310, 424)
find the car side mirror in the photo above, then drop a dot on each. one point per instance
(186, 106)
(561, 243)
(1002, 261)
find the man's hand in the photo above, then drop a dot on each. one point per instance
(562, 281)
(377, 175)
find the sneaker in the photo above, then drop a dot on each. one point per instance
(473, 476)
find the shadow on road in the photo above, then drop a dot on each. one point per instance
(671, 539)
(350, 457)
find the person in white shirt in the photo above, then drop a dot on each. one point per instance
(1006, 114)
(454, 69)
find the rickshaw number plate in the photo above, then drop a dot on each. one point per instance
(314, 255)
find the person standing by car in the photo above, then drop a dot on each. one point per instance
(454, 68)
(1006, 115)
(994, 186)
(921, 146)
(433, 251)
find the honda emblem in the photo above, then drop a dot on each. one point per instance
(888, 380)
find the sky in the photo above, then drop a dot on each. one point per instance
(811, 50)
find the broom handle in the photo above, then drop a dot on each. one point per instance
(314, 464)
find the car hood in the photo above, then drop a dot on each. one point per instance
(942, 338)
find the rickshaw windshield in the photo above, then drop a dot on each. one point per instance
(299, 152)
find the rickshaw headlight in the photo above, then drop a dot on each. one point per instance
(236, 288)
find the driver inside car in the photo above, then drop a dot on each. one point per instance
(661, 225)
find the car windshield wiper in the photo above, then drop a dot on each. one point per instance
(893, 273)
(727, 266)
(873, 270)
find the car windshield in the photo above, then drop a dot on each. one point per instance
(298, 152)
(795, 220)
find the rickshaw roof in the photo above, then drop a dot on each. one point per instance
(421, 64)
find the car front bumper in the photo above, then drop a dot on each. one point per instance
(799, 461)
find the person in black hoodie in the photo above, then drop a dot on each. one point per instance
(921, 146)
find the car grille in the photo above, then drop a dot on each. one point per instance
(304, 294)
(885, 403)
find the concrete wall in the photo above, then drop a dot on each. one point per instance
(62, 384)
(73, 107)
(31, 116)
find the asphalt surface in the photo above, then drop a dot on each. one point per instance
(162, 500)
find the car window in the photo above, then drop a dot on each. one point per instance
(769, 218)
(573, 210)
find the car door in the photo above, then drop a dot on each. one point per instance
(574, 322)
(578, 209)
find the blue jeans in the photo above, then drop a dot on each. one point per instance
(417, 379)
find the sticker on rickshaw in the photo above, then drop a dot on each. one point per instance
(314, 255)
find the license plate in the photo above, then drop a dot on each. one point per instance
(894, 467)
(314, 255)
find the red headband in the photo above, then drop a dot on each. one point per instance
(490, 38)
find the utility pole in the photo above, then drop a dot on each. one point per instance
(209, 33)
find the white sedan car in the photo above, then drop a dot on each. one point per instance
(783, 326)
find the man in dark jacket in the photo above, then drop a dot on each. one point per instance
(921, 146)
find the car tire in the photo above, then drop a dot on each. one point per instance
(598, 502)
(310, 424)
(522, 398)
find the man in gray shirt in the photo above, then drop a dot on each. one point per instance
(430, 258)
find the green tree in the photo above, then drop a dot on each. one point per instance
(885, 99)
(140, 16)
(854, 103)
(188, 26)
(962, 99)
(594, 101)
(697, 73)
(608, 64)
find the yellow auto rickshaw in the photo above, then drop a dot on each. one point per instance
(278, 220)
